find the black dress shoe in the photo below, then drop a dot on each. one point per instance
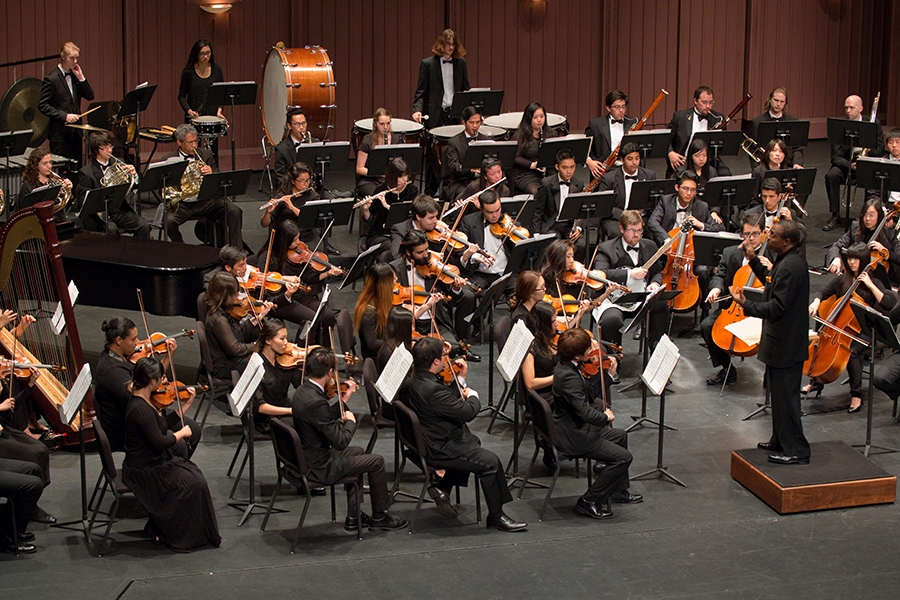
(769, 447)
(40, 515)
(505, 523)
(832, 224)
(25, 537)
(472, 357)
(720, 377)
(592, 509)
(783, 459)
(442, 501)
(549, 461)
(851, 409)
(7, 545)
(316, 490)
(387, 523)
(626, 497)
(350, 522)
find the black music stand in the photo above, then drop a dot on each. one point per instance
(653, 143)
(479, 150)
(42, 194)
(708, 247)
(325, 214)
(737, 190)
(721, 142)
(222, 185)
(331, 156)
(380, 156)
(135, 102)
(882, 174)
(487, 102)
(646, 194)
(486, 305)
(520, 210)
(643, 316)
(232, 93)
(360, 265)
(105, 200)
(578, 144)
(597, 204)
(528, 251)
(159, 176)
(793, 133)
(397, 213)
(13, 143)
(803, 180)
(844, 132)
(877, 328)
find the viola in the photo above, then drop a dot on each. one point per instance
(242, 307)
(273, 282)
(593, 278)
(456, 239)
(444, 272)
(302, 255)
(679, 272)
(418, 295)
(331, 388)
(167, 393)
(568, 304)
(506, 228)
(156, 344)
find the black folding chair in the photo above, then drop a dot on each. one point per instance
(112, 480)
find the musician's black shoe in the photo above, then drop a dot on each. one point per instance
(857, 408)
(626, 497)
(472, 357)
(329, 249)
(11, 547)
(592, 509)
(316, 490)
(549, 461)
(769, 446)
(42, 516)
(505, 523)
(813, 386)
(387, 523)
(350, 522)
(442, 501)
(25, 537)
(720, 377)
(783, 459)
(832, 224)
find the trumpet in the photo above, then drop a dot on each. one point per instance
(65, 191)
(753, 149)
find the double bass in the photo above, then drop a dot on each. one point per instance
(679, 272)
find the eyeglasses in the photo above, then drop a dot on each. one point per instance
(206, 53)
(753, 234)
(687, 190)
(635, 231)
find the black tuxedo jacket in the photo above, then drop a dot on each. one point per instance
(598, 128)
(615, 261)
(432, 284)
(546, 206)
(285, 156)
(443, 415)
(56, 101)
(430, 89)
(840, 155)
(452, 169)
(89, 179)
(322, 432)
(578, 424)
(662, 219)
(615, 180)
(796, 151)
(680, 125)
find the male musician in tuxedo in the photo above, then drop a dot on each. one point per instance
(608, 131)
(286, 149)
(770, 196)
(622, 259)
(231, 260)
(774, 111)
(414, 253)
(61, 93)
(22, 486)
(483, 270)
(620, 181)
(326, 430)
(892, 152)
(424, 216)
(455, 177)
(784, 345)
(550, 196)
(217, 209)
(843, 162)
(685, 123)
(443, 412)
(89, 177)
(732, 260)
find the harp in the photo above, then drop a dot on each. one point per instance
(32, 282)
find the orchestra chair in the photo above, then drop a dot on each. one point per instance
(545, 431)
(112, 480)
(502, 329)
(201, 307)
(412, 446)
(218, 388)
(290, 463)
(376, 408)
(347, 339)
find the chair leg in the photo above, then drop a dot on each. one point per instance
(504, 400)
(15, 531)
(478, 499)
(550, 489)
(372, 440)
(412, 522)
(357, 489)
(96, 489)
(203, 398)
(537, 449)
(96, 511)
(234, 458)
(302, 519)
(398, 472)
(262, 527)
(333, 507)
(112, 517)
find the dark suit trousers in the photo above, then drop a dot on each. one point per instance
(485, 280)
(613, 452)
(214, 208)
(613, 319)
(20, 481)
(303, 308)
(18, 445)
(463, 305)
(887, 377)
(125, 219)
(787, 429)
(373, 466)
(485, 464)
(834, 179)
(719, 357)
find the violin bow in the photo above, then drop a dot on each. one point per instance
(314, 250)
(178, 408)
(337, 376)
(516, 220)
(12, 365)
(262, 287)
(140, 297)
(436, 330)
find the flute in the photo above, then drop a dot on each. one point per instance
(378, 196)
(465, 201)
(276, 201)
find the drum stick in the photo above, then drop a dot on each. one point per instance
(89, 112)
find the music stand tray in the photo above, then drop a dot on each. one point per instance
(223, 92)
(479, 150)
(528, 251)
(513, 207)
(720, 141)
(844, 132)
(578, 144)
(335, 156)
(803, 180)
(654, 143)
(360, 265)
(792, 133)
(737, 190)
(136, 100)
(708, 247)
(222, 185)
(318, 213)
(871, 173)
(486, 100)
(42, 194)
(380, 156)
(397, 213)
(646, 194)
(107, 199)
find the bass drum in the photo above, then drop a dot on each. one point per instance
(298, 77)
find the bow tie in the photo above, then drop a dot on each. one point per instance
(776, 119)
(632, 177)
(445, 61)
(619, 121)
(678, 210)
(771, 214)
(297, 146)
(565, 183)
(702, 117)
(633, 248)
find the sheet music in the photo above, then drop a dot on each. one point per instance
(394, 373)
(510, 360)
(660, 366)
(72, 404)
(58, 320)
(748, 330)
(247, 384)
(73, 293)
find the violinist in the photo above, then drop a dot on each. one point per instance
(326, 430)
(483, 270)
(111, 378)
(423, 217)
(530, 290)
(874, 293)
(559, 258)
(732, 260)
(171, 488)
(231, 340)
(539, 363)
(271, 398)
(231, 260)
(551, 195)
(23, 417)
(397, 187)
(491, 173)
(871, 220)
(454, 177)
(529, 136)
(620, 181)
(294, 192)
(584, 430)
(397, 331)
(624, 260)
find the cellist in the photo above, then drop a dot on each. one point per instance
(874, 294)
(771, 196)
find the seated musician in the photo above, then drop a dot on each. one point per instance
(157, 476)
(541, 360)
(732, 260)
(871, 215)
(892, 145)
(525, 175)
(294, 192)
(622, 259)
(697, 161)
(21, 484)
(188, 209)
(111, 378)
(620, 181)
(774, 111)
(381, 135)
(231, 260)
(770, 197)
(530, 290)
(607, 132)
(38, 173)
(101, 148)
(549, 199)
(443, 412)
(397, 331)
(231, 337)
(454, 177)
(396, 187)
(586, 430)
(777, 156)
(271, 399)
(874, 294)
(491, 173)
(286, 149)
(559, 258)
(685, 123)
(483, 270)
(423, 217)
(326, 430)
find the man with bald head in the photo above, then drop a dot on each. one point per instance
(843, 161)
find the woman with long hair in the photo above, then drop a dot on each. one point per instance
(231, 339)
(296, 180)
(530, 290)
(777, 157)
(373, 305)
(272, 399)
(36, 174)
(531, 133)
(398, 187)
(198, 75)
(381, 135)
(871, 214)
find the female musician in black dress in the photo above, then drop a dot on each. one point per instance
(530, 290)
(874, 294)
(37, 174)
(381, 135)
(373, 213)
(295, 181)
(231, 339)
(532, 132)
(871, 214)
(558, 259)
(272, 398)
(777, 157)
(170, 488)
(198, 75)
(397, 331)
(372, 308)
(539, 363)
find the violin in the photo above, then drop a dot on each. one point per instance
(679, 272)
(167, 393)
(594, 360)
(294, 356)
(506, 228)
(451, 370)
(456, 239)
(593, 278)
(156, 344)
(568, 303)
(274, 280)
(302, 255)
(21, 368)
(242, 307)
(418, 295)
(444, 272)
(331, 388)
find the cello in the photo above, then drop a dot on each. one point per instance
(679, 272)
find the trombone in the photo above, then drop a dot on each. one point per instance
(753, 149)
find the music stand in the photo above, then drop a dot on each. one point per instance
(487, 101)
(803, 180)
(530, 251)
(793, 133)
(104, 199)
(486, 304)
(159, 176)
(42, 194)
(882, 174)
(721, 142)
(325, 214)
(333, 155)
(653, 143)
(577, 144)
(397, 213)
(514, 208)
(232, 93)
(135, 102)
(599, 204)
(13, 143)
(479, 150)
(708, 247)
(844, 132)
(360, 265)
(737, 190)
(646, 194)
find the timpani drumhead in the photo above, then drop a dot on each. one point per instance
(510, 121)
